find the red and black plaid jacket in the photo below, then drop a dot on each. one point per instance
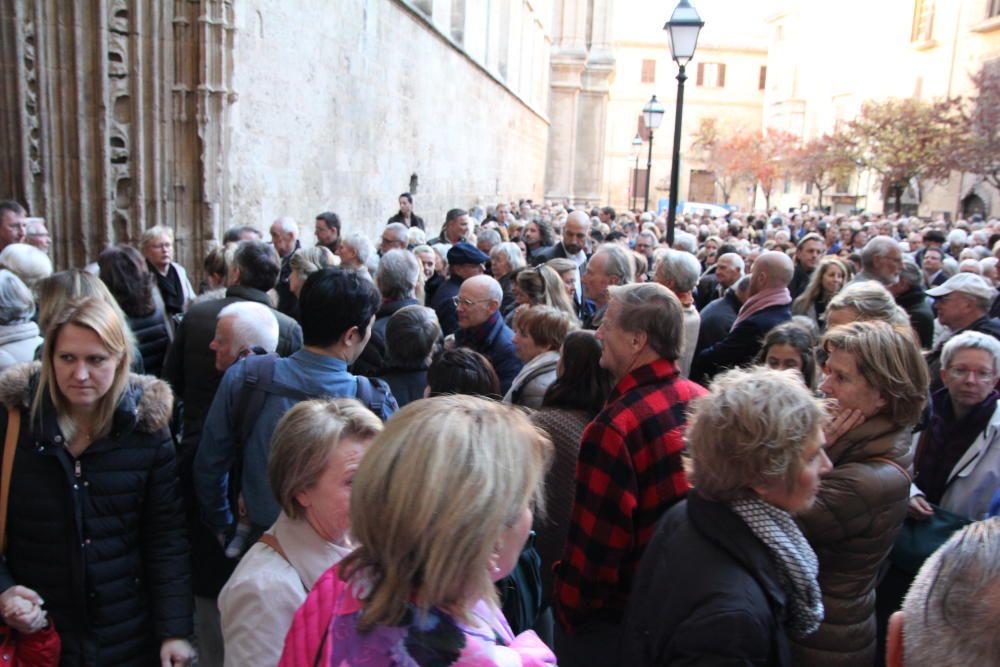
(628, 474)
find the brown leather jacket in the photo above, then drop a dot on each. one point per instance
(858, 512)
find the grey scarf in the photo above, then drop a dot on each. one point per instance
(796, 561)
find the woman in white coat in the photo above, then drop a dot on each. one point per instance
(539, 332)
(957, 454)
(315, 451)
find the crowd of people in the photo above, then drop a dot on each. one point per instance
(544, 436)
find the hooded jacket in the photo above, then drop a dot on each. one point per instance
(101, 538)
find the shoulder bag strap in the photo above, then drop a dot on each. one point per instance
(895, 465)
(272, 541)
(9, 449)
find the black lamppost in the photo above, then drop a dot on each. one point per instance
(636, 145)
(652, 114)
(683, 26)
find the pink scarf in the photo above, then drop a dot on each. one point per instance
(770, 296)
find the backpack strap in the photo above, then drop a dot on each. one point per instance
(882, 459)
(272, 541)
(257, 384)
(372, 394)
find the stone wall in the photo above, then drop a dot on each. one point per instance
(341, 103)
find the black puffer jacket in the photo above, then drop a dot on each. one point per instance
(152, 338)
(101, 538)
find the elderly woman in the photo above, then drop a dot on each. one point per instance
(95, 525)
(315, 452)
(307, 261)
(18, 334)
(157, 245)
(569, 272)
(790, 346)
(505, 260)
(27, 262)
(538, 334)
(877, 381)
(357, 253)
(863, 302)
(728, 577)
(129, 281)
(957, 453)
(419, 587)
(826, 281)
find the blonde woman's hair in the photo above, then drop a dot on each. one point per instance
(431, 500)
(544, 286)
(307, 261)
(871, 301)
(814, 289)
(154, 233)
(890, 362)
(304, 440)
(98, 316)
(60, 289)
(750, 430)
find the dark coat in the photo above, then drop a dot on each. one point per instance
(190, 370)
(545, 253)
(717, 319)
(407, 385)
(707, 289)
(442, 305)
(740, 346)
(101, 538)
(498, 347)
(800, 280)
(679, 616)
(917, 306)
(288, 303)
(415, 220)
(152, 338)
(373, 357)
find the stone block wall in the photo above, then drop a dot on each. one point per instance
(341, 103)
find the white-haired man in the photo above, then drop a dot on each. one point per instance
(243, 328)
(950, 613)
(285, 239)
(881, 260)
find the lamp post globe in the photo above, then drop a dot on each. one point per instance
(636, 149)
(652, 116)
(683, 27)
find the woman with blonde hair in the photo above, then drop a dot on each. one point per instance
(419, 587)
(826, 281)
(95, 513)
(315, 452)
(307, 261)
(729, 560)
(540, 285)
(876, 381)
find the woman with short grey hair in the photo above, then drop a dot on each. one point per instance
(755, 458)
(506, 259)
(315, 452)
(359, 253)
(19, 336)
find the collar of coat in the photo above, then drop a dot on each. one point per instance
(147, 400)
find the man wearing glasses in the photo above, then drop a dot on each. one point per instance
(963, 304)
(481, 328)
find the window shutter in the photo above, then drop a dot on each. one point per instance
(701, 74)
(722, 75)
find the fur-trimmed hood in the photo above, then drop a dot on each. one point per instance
(152, 398)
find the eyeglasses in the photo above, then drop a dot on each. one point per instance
(468, 303)
(980, 375)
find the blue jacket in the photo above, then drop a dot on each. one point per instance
(313, 373)
(499, 349)
(740, 346)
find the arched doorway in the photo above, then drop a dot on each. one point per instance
(972, 204)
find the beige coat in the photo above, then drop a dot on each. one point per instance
(259, 601)
(859, 510)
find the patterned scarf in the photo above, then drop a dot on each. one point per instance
(797, 562)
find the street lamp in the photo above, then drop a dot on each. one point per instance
(636, 149)
(652, 114)
(683, 26)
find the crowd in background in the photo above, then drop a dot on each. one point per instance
(543, 435)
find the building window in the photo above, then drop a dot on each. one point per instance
(649, 71)
(786, 187)
(923, 21)
(809, 187)
(424, 6)
(711, 75)
(994, 8)
(458, 20)
(762, 80)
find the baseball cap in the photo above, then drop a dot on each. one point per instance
(966, 283)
